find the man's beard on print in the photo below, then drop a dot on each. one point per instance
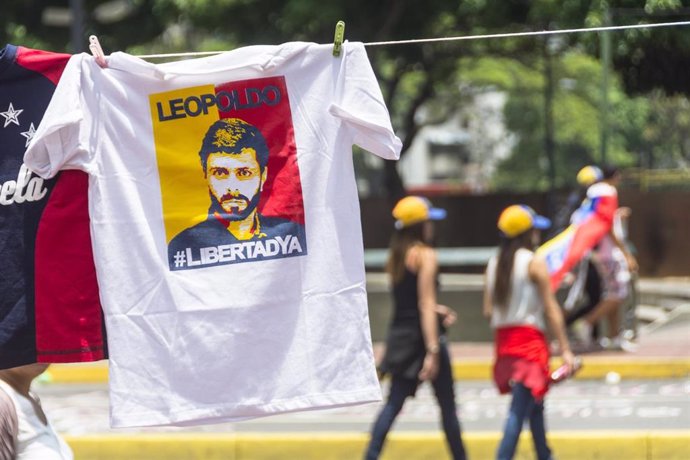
(234, 214)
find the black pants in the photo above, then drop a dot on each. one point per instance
(593, 290)
(401, 389)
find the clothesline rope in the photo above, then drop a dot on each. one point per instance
(465, 37)
(532, 34)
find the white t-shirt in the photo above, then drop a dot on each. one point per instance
(525, 307)
(35, 440)
(218, 309)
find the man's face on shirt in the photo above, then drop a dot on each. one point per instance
(235, 181)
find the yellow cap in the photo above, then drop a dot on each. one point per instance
(518, 218)
(415, 209)
(589, 175)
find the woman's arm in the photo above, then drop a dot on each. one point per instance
(623, 214)
(539, 274)
(447, 314)
(487, 304)
(426, 292)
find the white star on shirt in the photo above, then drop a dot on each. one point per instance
(29, 134)
(11, 116)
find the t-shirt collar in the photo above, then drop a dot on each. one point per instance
(259, 57)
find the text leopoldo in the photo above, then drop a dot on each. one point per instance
(193, 106)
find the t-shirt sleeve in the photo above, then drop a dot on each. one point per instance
(359, 103)
(62, 138)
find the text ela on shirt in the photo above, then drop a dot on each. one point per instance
(226, 101)
(25, 188)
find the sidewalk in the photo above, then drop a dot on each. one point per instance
(663, 353)
(667, 356)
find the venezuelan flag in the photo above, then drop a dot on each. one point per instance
(589, 224)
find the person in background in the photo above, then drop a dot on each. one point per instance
(519, 303)
(25, 431)
(614, 262)
(586, 279)
(586, 176)
(416, 347)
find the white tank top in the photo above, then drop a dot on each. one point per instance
(524, 307)
(35, 440)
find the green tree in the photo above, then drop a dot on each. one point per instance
(646, 59)
(411, 76)
(665, 140)
(45, 24)
(576, 117)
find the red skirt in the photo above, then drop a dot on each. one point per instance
(522, 356)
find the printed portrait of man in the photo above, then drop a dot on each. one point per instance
(234, 158)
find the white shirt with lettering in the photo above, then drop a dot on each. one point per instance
(218, 308)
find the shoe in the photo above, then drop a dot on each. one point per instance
(582, 331)
(618, 343)
(628, 345)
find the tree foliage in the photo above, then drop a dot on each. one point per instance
(647, 59)
(27, 22)
(416, 76)
(576, 117)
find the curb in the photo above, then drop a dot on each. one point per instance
(593, 368)
(76, 373)
(570, 445)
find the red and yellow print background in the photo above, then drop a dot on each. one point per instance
(178, 134)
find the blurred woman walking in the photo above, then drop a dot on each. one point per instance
(416, 346)
(519, 302)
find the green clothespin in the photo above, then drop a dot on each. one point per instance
(339, 37)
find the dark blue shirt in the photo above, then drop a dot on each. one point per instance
(44, 230)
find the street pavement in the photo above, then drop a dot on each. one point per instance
(633, 405)
(597, 401)
(571, 405)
